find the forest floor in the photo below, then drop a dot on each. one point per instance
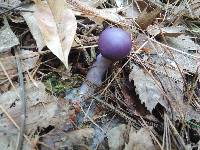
(147, 100)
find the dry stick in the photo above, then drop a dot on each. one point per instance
(176, 134)
(86, 115)
(23, 101)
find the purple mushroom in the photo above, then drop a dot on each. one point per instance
(114, 44)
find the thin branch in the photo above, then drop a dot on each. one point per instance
(23, 101)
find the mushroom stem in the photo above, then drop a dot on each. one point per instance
(95, 75)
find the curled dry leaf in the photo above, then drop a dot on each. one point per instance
(33, 27)
(57, 27)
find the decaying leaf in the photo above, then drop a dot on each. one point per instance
(57, 27)
(78, 138)
(116, 137)
(40, 106)
(7, 38)
(167, 31)
(187, 8)
(185, 44)
(93, 3)
(131, 11)
(29, 60)
(8, 64)
(8, 141)
(140, 140)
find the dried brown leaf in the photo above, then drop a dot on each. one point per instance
(33, 27)
(146, 18)
(57, 27)
(147, 89)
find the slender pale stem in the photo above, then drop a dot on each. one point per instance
(95, 75)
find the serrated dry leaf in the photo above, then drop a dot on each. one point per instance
(57, 27)
(149, 93)
(152, 90)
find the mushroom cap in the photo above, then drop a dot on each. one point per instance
(114, 43)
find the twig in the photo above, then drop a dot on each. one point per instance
(177, 136)
(23, 101)
(86, 115)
